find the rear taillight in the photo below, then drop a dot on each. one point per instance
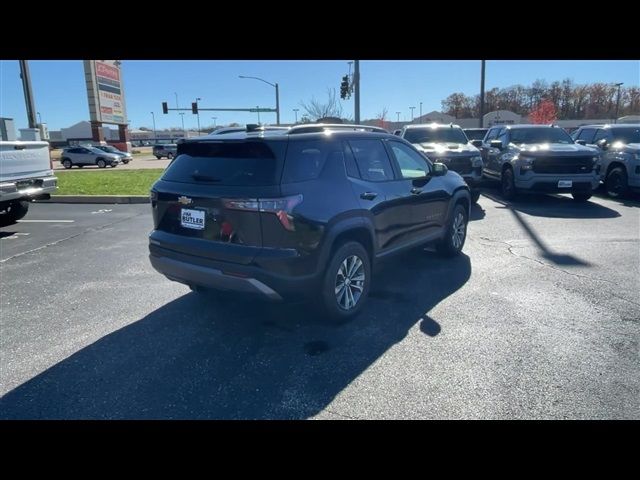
(281, 207)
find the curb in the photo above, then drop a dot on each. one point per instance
(96, 199)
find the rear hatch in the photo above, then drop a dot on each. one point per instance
(208, 197)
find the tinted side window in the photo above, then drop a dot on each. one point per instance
(503, 136)
(305, 159)
(350, 162)
(411, 164)
(492, 134)
(587, 135)
(600, 134)
(372, 159)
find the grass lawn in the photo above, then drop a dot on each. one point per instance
(125, 182)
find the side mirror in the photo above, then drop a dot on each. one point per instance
(476, 143)
(496, 144)
(439, 170)
(581, 142)
(602, 143)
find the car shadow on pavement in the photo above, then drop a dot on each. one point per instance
(553, 206)
(631, 199)
(201, 358)
(477, 212)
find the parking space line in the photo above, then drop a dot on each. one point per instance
(46, 221)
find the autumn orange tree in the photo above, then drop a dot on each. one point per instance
(545, 112)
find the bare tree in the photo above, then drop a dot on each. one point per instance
(315, 109)
(382, 117)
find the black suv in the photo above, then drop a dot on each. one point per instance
(286, 214)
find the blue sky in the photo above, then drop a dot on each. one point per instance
(61, 98)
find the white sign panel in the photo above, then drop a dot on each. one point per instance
(105, 91)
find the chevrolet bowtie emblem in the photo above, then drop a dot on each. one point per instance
(185, 200)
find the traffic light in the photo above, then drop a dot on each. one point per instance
(344, 87)
(165, 108)
(194, 108)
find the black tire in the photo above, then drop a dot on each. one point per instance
(336, 305)
(158, 157)
(14, 212)
(581, 197)
(616, 184)
(66, 163)
(456, 234)
(125, 161)
(101, 163)
(475, 196)
(508, 184)
(170, 156)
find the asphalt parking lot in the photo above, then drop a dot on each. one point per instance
(540, 319)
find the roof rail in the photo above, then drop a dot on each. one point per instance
(320, 127)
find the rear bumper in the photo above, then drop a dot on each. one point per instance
(247, 279)
(192, 274)
(41, 186)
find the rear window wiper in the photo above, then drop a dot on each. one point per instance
(204, 178)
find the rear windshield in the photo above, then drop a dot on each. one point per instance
(435, 135)
(242, 163)
(475, 134)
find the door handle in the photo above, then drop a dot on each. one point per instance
(416, 191)
(368, 195)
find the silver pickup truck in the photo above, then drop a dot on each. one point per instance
(26, 174)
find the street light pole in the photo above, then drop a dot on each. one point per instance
(356, 91)
(398, 113)
(274, 85)
(412, 109)
(214, 122)
(155, 135)
(176, 94)
(482, 94)
(295, 110)
(618, 101)
(184, 132)
(258, 109)
(39, 118)
(198, 114)
(420, 111)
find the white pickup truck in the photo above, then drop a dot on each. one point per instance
(26, 174)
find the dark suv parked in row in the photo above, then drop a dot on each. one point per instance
(286, 214)
(620, 149)
(539, 158)
(448, 144)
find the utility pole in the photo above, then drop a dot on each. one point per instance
(398, 113)
(295, 110)
(155, 135)
(277, 104)
(356, 96)
(198, 114)
(618, 101)
(28, 94)
(214, 122)
(482, 94)
(412, 109)
(184, 132)
(420, 111)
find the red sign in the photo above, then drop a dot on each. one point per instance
(107, 110)
(104, 70)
